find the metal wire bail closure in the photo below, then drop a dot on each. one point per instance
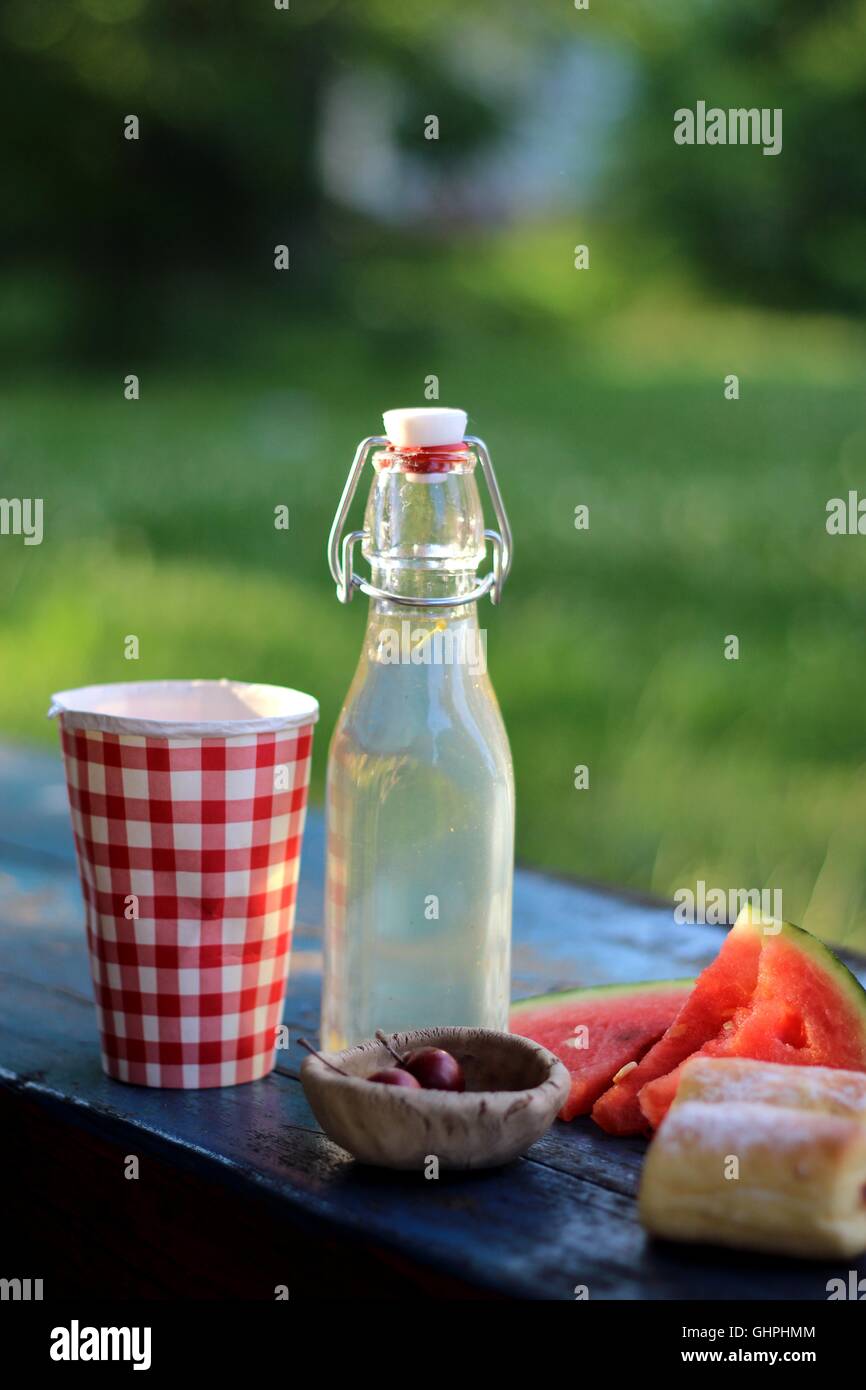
(341, 548)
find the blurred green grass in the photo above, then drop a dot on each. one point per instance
(707, 518)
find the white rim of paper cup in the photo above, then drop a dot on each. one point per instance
(111, 709)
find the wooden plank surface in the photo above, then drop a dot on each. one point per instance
(293, 1207)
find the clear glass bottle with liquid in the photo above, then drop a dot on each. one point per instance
(420, 788)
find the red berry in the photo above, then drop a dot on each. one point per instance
(395, 1076)
(435, 1069)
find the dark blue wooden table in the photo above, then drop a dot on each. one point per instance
(238, 1192)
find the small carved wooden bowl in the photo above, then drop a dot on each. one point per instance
(514, 1089)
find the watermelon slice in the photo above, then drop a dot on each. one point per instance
(807, 1009)
(774, 993)
(725, 986)
(596, 1032)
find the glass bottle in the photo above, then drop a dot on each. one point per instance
(420, 788)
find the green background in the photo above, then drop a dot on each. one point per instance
(603, 386)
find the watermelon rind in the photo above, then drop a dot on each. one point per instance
(564, 996)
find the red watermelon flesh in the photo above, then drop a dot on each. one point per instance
(616, 1023)
(726, 985)
(807, 1009)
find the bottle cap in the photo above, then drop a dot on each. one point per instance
(420, 427)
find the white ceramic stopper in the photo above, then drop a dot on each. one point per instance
(419, 427)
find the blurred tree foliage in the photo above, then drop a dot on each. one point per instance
(228, 94)
(782, 230)
(102, 238)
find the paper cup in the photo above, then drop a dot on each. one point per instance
(188, 801)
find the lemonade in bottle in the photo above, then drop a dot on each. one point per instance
(420, 789)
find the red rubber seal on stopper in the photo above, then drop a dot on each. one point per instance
(428, 458)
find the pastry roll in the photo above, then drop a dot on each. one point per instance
(826, 1089)
(760, 1161)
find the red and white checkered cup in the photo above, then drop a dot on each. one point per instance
(188, 801)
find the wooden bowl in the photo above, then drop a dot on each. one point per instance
(514, 1089)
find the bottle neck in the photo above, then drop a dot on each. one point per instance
(413, 583)
(424, 529)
